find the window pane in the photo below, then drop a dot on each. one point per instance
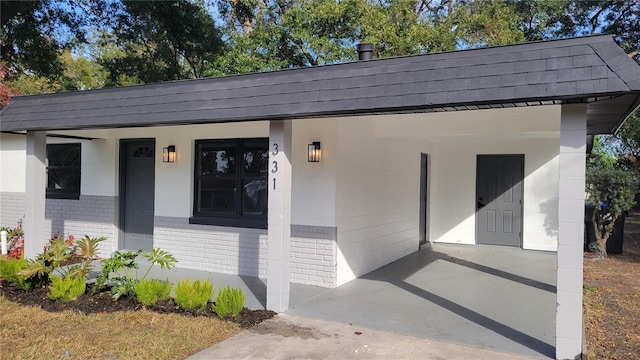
(63, 170)
(63, 179)
(217, 196)
(256, 160)
(255, 201)
(217, 160)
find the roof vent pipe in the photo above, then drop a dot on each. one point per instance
(365, 51)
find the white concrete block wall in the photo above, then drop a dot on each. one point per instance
(11, 208)
(571, 232)
(377, 194)
(36, 182)
(13, 165)
(313, 198)
(454, 139)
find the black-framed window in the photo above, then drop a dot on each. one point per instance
(230, 182)
(63, 171)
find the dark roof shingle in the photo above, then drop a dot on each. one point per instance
(560, 70)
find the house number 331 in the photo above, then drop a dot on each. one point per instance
(274, 164)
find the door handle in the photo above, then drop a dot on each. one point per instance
(480, 204)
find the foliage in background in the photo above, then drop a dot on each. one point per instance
(611, 188)
(33, 33)
(51, 46)
(229, 302)
(193, 295)
(161, 40)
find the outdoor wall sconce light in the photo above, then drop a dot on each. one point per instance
(314, 152)
(169, 154)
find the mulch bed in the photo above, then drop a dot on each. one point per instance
(101, 302)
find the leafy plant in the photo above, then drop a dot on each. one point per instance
(10, 269)
(122, 270)
(148, 292)
(87, 247)
(229, 302)
(159, 257)
(66, 289)
(124, 282)
(15, 241)
(53, 258)
(193, 295)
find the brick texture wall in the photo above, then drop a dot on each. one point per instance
(313, 255)
(201, 247)
(244, 251)
(11, 208)
(91, 215)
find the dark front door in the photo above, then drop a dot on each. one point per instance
(424, 163)
(499, 199)
(137, 190)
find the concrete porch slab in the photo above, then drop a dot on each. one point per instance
(490, 297)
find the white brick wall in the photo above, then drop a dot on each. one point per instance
(91, 215)
(11, 208)
(212, 248)
(243, 251)
(313, 261)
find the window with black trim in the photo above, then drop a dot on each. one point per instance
(63, 171)
(230, 182)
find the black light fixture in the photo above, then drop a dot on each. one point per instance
(169, 154)
(314, 152)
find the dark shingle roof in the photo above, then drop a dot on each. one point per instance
(570, 70)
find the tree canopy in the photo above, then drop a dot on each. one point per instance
(121, 42)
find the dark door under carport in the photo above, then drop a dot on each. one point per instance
(499, 188)
(424, 197)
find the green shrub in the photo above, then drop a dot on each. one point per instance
(148, 292)
(193, 295)
(122, 270)
(66, 289)
(10, 269)
(229, 302)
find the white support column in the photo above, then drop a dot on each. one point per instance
(36, 182)
(279, 218)
(573, 134)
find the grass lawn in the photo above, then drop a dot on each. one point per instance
(28, 332)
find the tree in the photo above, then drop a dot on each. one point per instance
(161, 40)
(267, 35)
(34, 32)
(6, 89)
(611, 189)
